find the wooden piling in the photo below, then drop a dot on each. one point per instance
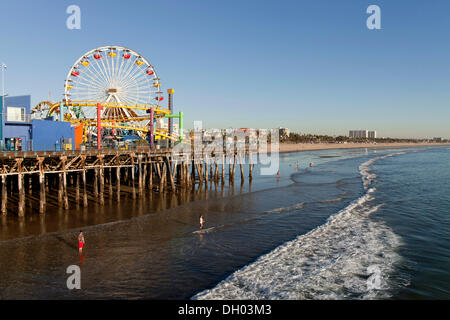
(206, 173)
(66, 199)
(150, 177)
(144, 176)
(133, 182)
(234, 168)
(223, 169)
(242, 170)
(200, 178)
(189, 180)
(77, 188)
(162, 178)
(216, 173)
(211, 169)
(96, 183)
(118, 183)
(110, 182)
(20, 185)
(172, 183)
(101, 176)
(140, 176)
(64, 174)
(83, 178)
(42, 195)
(4, 195)
(174, 172)
(60, 188)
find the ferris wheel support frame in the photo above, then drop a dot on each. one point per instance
(99, 126)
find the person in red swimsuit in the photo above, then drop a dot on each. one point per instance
(80, 242)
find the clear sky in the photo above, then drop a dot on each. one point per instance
(312, 66)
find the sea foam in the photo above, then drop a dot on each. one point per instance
(349, 257)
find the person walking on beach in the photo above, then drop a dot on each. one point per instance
(80, 242)
(202, 221)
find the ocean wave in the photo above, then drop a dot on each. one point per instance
(365, 169)
(331, 200)
(349, 257)
(289, 208)
(301, 205)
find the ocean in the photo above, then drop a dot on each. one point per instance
(360, 224)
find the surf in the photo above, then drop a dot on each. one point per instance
(337, 260)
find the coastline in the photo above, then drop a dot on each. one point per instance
(298, 147)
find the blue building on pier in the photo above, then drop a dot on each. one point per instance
(18, 132)
(15, 122)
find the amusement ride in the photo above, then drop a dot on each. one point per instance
(114, 88)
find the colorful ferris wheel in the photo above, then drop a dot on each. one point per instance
(116, 76)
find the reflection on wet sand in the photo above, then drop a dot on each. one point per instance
(118, 204)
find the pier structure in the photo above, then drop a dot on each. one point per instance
(76, 178)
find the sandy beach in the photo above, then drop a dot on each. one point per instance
(292, 147)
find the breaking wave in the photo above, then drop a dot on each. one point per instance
(290, 208)
(349, 257)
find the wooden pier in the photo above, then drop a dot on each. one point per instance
(43, 176)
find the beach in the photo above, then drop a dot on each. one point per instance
(292, 147)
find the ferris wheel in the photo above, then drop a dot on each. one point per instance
(116, 76)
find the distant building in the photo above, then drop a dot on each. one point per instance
(365, 134)
(284, 133)
(175, 130)
(372, 134)
(252, 133)
(359, 134)
(437, 139)
(161, 124)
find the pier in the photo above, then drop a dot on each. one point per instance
(75, 178)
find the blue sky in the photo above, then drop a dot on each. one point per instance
(312, 66)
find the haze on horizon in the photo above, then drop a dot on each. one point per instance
(313, 67)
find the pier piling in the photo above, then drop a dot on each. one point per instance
(56, 176)
(4, 196)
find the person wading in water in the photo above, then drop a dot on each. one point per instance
(202, 221)
(80, 242)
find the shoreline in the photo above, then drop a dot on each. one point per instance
(299, 147)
